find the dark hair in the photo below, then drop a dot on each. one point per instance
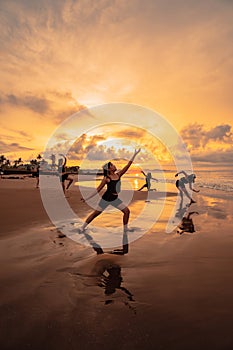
(106, 167)
(60, 161)
(192, 177)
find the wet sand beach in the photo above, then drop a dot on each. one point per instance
(170, 291)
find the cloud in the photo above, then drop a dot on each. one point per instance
(57, 105)
(134, 133)
(61, 115)
(36, 104)
(19, 134)
(84, 145)
(110, 143)
(145, 139)
(213, 145)
(12, 147)
(197, 136)
(25, 135)
(217, 157)
(219, 133)
(179, 35)
(102, 152)
(92, 148)
(175, 57)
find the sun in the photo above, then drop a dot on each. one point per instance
(91, 100)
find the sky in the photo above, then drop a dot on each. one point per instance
(60, 56)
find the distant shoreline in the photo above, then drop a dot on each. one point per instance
(44, 172)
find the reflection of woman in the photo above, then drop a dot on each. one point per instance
(187, 224)
(113, 280)
(148, 177)
(112, 181)
(186, 179)
(63, 174)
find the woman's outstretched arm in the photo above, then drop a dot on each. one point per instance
(65, 159)
(153, 178)
(180, 172)
(123, 171)
(98, 189)
(191, 187)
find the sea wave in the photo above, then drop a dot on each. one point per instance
(214, 185)
(218, 187)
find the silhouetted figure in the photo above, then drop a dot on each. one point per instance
(148, 179)
(187, 224)
(181, 212)
(112, 281)
(64, 175)
(110, 197)
(125, 246)
(186, 179)
(53, 159)
(97, 248)
(37, 175)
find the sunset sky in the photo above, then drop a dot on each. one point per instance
(174, 57)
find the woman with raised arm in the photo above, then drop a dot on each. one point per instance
(112, 180)
(186, 179)
(63, 173)
(148, 178)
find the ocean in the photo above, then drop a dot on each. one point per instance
(217, 179)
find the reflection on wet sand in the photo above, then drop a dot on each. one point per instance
(108, 272)
(186, 224)
(110, 279)
(98, 249)
(125, 246)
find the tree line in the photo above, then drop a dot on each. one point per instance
(6, 163)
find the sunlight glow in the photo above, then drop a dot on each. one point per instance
(91, 100)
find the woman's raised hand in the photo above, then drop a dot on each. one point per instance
(137, 151)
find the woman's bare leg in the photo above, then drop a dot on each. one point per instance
(90, 218)
(126, 213)
(70, 182)
(181, 194)
(187, 194)
(142, 187)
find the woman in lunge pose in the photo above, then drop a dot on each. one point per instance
(148, 178)
(112, 180)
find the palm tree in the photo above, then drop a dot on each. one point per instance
(15, 163)
(34, 162)
(2, 159)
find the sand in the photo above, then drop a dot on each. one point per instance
(175, 292)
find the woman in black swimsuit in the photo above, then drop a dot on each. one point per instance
(63, 174)
(112, 180)
(186, 179)
(36, 174)
(148, 177)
